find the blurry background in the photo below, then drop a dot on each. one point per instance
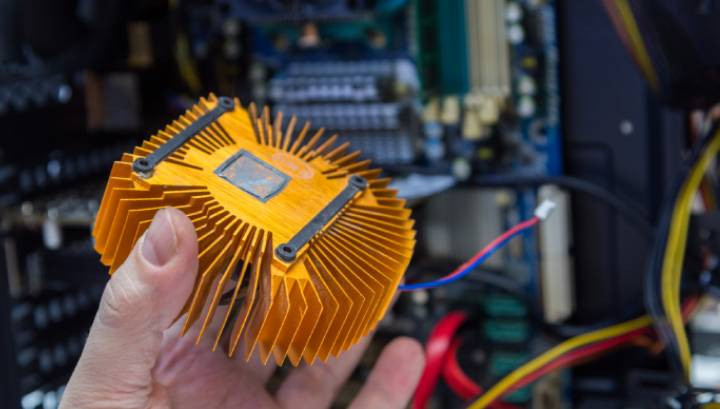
(477, 108)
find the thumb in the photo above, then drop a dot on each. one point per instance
(140, 301)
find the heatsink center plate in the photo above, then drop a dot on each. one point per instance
(253, 175)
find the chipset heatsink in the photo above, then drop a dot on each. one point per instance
(302, 242)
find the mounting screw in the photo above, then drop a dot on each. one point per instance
(358, 181)
(286, 252)
(227, 103)
(142, 167)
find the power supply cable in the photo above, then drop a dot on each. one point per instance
(674, 250)
(466, 388)
(572, 350)
(623, 18)
(182, 50)
(508, 382)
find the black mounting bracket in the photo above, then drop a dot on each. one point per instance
(288, 251)
(145, 166)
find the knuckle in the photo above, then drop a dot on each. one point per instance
(120, 301)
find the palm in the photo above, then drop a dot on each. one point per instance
(192, 376)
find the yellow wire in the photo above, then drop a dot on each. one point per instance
(183, 57)
(672, 269)
(675, 252)
(188, 70)
(500, 388)
(636, 43)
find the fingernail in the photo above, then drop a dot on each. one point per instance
(160, 242)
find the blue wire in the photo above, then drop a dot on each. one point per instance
(466, 271)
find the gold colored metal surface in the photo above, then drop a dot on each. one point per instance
(338, 286)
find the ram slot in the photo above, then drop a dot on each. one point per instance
(488, 47)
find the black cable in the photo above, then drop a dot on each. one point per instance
(499, 282)
(513, 288)
(573, 330)
(626, 208)
(653, 272)
(652, 294)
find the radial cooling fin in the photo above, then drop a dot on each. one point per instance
(301, 244)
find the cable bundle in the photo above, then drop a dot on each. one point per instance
(444, 341)
(442, 346)
(301, 245)
(663, 277)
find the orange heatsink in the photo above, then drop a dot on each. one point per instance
(302, 242)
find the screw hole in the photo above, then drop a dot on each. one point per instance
(226, 102)
(358, 181)
(286, 252)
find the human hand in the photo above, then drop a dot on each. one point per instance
(135, 359)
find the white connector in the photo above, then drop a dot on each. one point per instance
(557, 276)
(544, 209)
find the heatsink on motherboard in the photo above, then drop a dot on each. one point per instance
(300, 243)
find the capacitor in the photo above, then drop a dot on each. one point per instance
(526, 107)
(513, 12)
(515, 34)
(526, 85)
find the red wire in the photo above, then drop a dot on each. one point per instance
(513, 230)
(466, 388)
(455, 377)
(436, 350)
(573, 357)
(689, 306)
(460, 383)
